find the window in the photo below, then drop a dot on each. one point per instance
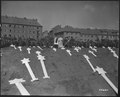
(19, 26)
(12, 25)
(9, 25)
(10, 30)
(16, 26)
(9, 35)
(6, 25)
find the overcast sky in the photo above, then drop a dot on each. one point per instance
(81, 14)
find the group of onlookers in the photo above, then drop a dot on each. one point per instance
(49, 41)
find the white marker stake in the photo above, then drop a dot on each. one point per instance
(76, 49)
(102, 72)
(87, 58)
(69, 52)
(114, 54)
(103, 47)
(54, 49)
(25, 61)
(21, 88)
(79, 48)
(13, 46)
(39, 47)
(62, 48)
(41, 58)
(51, 46)
(28, 50)
(38, 53)
(92, 53)
(20, 48)
(94, 49)
(109, 48)
(90, 47)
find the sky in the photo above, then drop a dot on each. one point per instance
(79, 14)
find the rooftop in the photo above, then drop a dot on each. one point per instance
(17, 20)
(87, 31)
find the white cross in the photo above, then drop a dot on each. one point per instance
(42, 58)
(90, 47)
(25, 61)
(69, 52)
(62, 48)
(87, 58)
(20, 48)
(82, 46)
(109, 48)
(28, 49)
(38, 52)
(114, 54)
(21, 88)
(79, 48)
(93, 48)
(13, 46)
(92, 53)
(102, 72)
(39, 47)
(51, 46)
(54, 49)
(76, 49)
(103, 47)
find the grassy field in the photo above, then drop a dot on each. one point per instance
(69, 75)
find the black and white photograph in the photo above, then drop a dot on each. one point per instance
(59, 48)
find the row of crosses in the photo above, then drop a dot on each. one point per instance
(21, 88)
(18, 82)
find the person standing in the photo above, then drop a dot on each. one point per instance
(58, 42)
(55, 42)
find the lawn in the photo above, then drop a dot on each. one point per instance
(69, 75)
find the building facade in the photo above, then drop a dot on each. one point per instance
(87, 34)
(20, 27)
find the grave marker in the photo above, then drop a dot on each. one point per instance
(42, 58)
(102, 73)
(26, 62)
(21, 88)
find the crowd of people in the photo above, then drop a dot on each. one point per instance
(48, 41)
(98, 43)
